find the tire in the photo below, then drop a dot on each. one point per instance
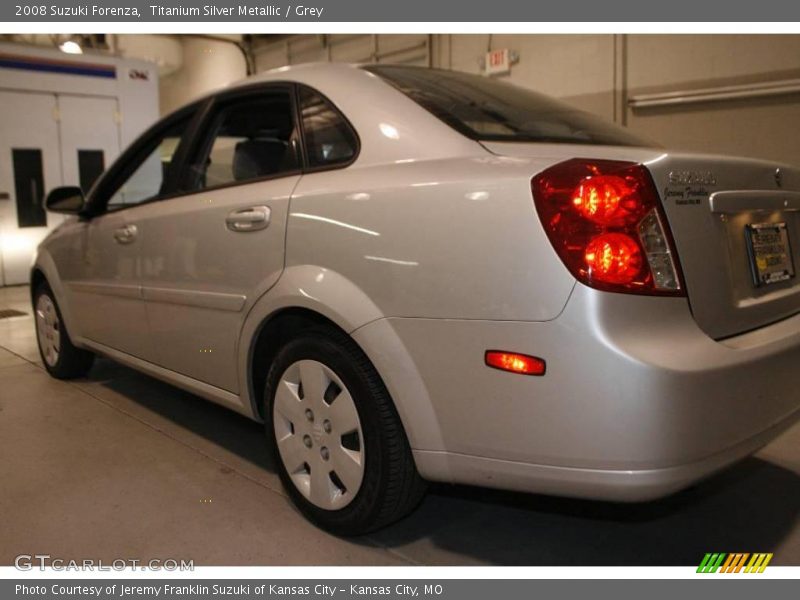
(314, 372)
(60, 357)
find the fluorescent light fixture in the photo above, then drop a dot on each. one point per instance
(71, 47)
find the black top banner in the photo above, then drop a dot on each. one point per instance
(233, 11)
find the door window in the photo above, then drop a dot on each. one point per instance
(147, 180)
(329, 138)
(251, 138)
(91, 164)
(29, 187)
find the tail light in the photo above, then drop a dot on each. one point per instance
(605, 221)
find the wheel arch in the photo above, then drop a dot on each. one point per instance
(300, 300)
(273, 333)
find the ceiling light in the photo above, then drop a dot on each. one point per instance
(71, 47)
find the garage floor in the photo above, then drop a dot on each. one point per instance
(122, 466)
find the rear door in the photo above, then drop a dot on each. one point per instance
(212, 251)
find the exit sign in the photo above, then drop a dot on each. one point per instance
(498, 62)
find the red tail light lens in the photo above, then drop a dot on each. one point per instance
(613, 258)
(606, 200)
(605, 221)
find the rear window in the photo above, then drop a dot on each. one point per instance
(490, 110)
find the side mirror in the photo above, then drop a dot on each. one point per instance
(68, 200)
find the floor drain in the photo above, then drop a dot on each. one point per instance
(5, 313)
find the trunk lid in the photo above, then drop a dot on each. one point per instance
(727, 216)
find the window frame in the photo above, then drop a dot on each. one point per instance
(204, 136)
(201, 115)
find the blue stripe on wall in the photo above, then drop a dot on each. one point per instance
(109, 72)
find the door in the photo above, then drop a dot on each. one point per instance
(211, 252)
(90, 139)
(29, 166)
(105, 292)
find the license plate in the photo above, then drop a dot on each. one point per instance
(770, 253)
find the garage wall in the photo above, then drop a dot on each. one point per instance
(603, 73)
(765, 127)
(205, 65)
(411, 49)
(579, 68)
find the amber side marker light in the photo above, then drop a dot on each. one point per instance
(515, 363)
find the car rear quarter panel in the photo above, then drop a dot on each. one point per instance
(442, 240)
(632, 384)
(447, 239)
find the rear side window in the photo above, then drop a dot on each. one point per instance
(251, 138)
(329, 139)
(490, 110)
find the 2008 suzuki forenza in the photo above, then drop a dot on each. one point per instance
(414, 275)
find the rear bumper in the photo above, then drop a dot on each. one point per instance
(637, 401)
(597, 484)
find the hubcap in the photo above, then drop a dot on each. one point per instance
(319, 434)
(48, 329)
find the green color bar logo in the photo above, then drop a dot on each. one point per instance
(721, 562)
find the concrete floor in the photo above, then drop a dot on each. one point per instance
(120, 465)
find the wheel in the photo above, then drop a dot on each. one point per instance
(61, 359)
(342, 453)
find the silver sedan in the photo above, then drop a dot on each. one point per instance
(414, 275)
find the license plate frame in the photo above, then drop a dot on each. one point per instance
(770, 253)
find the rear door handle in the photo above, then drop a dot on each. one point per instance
(125, 235)
(249, 219)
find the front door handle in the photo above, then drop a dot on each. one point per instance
(125, 235)
(249, 219)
